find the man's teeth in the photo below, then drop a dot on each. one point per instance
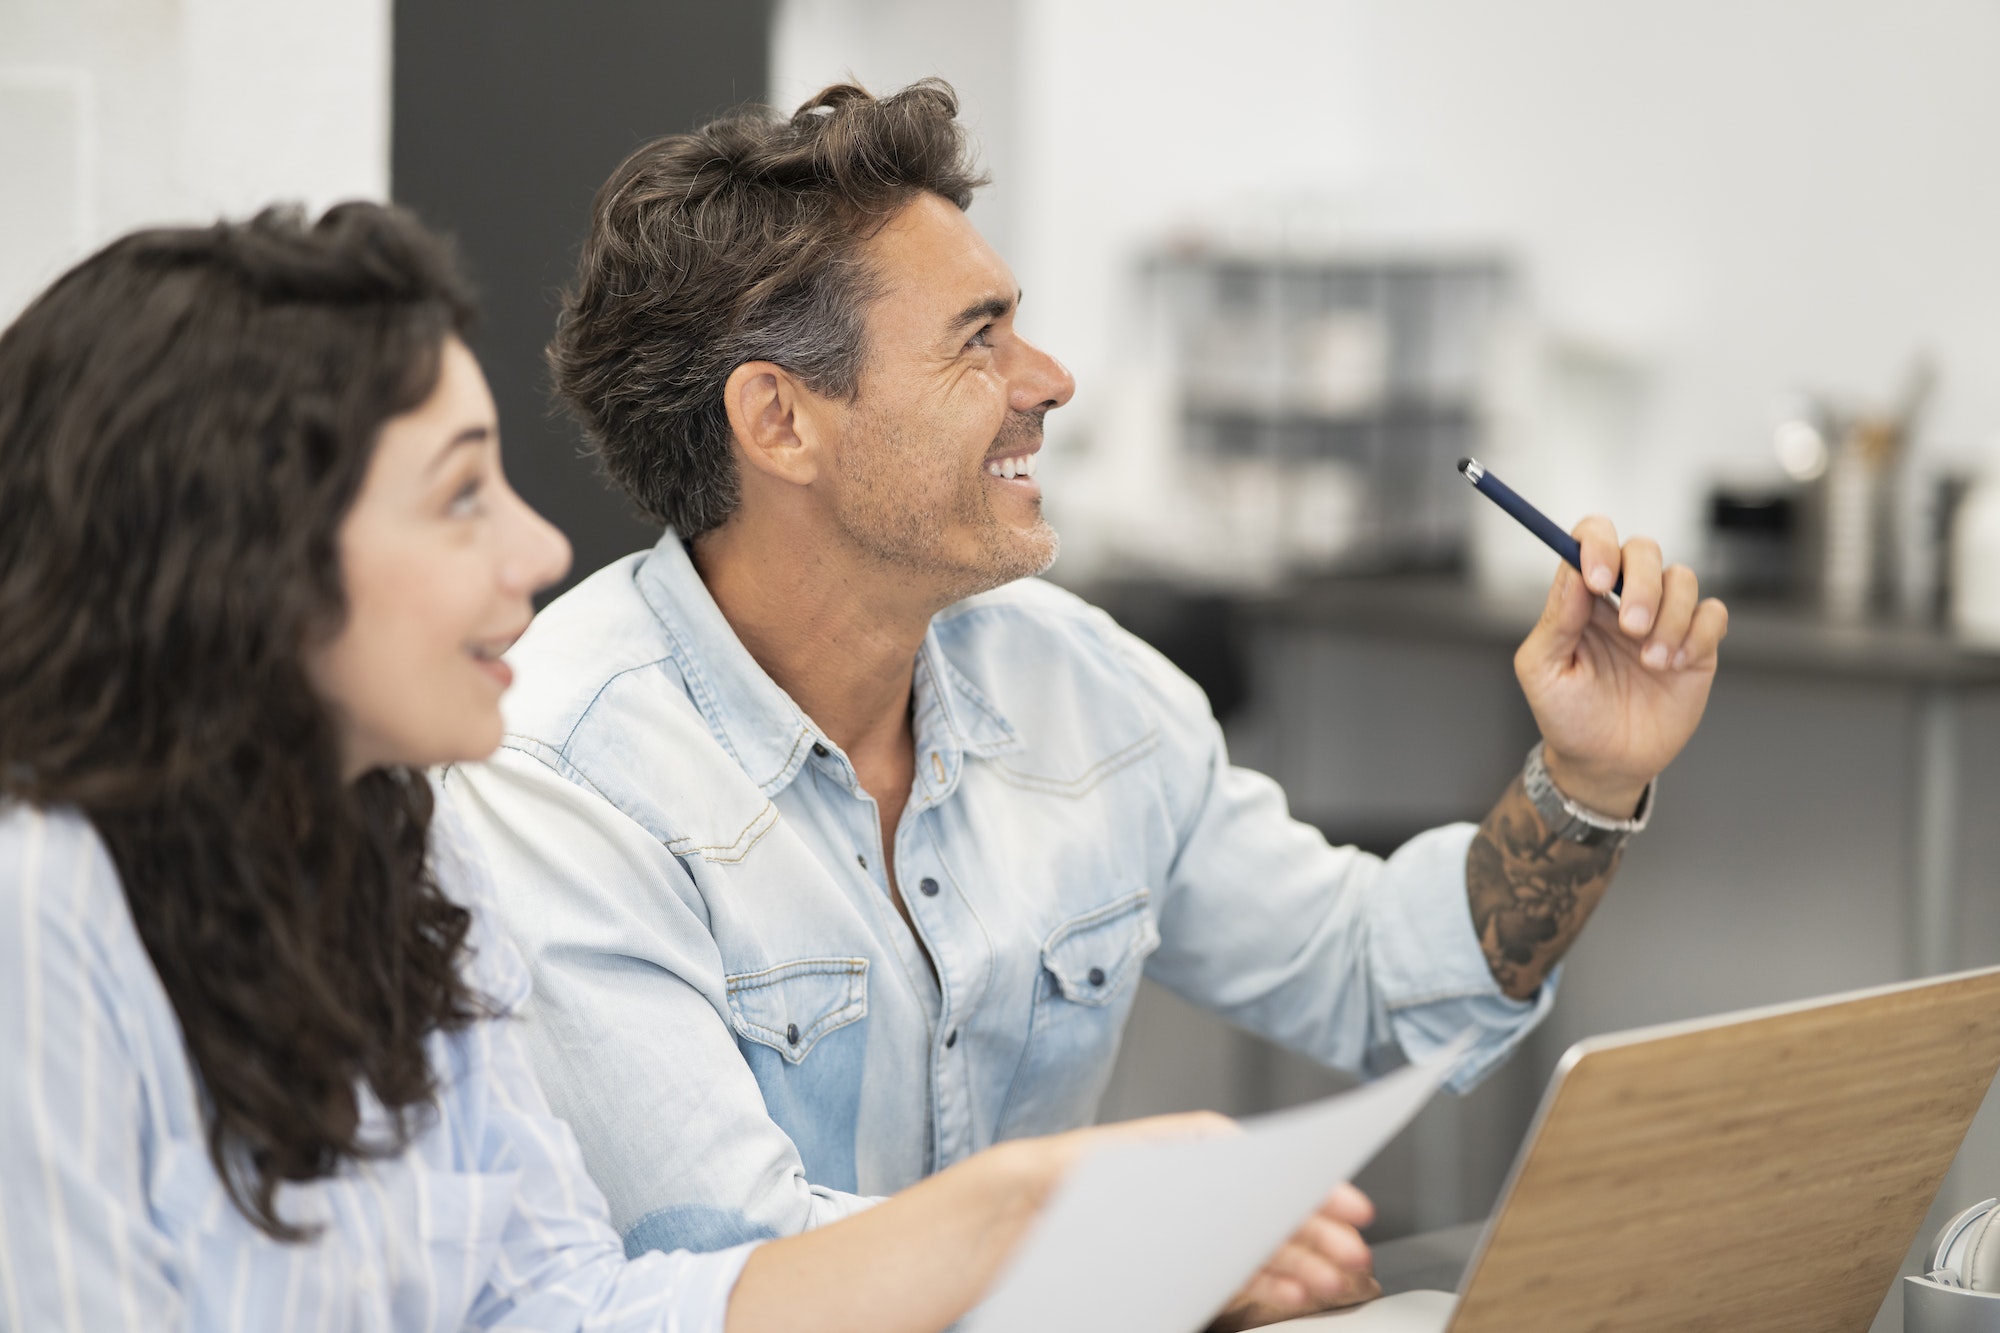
(1023, 466)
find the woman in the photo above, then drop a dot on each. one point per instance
(258, 565)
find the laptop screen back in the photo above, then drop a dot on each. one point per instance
(1756, 1171)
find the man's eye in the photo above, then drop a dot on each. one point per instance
(983, 338)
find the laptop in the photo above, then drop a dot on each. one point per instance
(1759, 1170)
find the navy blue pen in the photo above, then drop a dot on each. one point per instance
(1529, 517)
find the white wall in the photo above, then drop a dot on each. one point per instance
(1744, 197)
(885, 44)
(120, 113)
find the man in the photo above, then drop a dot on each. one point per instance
(837, 842)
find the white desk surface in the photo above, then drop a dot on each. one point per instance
(1408, 1312)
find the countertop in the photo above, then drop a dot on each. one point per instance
(1761, 636)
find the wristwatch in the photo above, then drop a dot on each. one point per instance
(1566, 819)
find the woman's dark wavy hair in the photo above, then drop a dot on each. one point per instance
(738, 242)
(185, 420)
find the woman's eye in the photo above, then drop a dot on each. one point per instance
(465, 500)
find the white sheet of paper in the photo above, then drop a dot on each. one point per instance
(1155, 1237)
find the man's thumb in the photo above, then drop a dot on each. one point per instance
(1565, 615)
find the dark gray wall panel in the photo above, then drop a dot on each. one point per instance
(508, 115)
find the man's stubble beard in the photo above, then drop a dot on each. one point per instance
(911, 532)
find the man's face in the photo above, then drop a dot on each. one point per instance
(935, 456)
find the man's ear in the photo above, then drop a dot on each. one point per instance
(771, 414)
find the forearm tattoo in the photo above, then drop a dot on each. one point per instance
(1530, 891)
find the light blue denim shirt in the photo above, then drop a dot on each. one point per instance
(730, 1011)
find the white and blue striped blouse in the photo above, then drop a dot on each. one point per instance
(112, 1217)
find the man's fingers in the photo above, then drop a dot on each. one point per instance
(1680, 591)
(1600, 556)
(1566, 611)
(1639, 603)
(1704, 636)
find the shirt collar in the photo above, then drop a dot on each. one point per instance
(750, 714)
(974, 722)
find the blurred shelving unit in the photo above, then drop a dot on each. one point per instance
(1316, 404)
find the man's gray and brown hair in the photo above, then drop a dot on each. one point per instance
(739, 242)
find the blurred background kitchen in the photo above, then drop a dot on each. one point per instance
(1725, 270)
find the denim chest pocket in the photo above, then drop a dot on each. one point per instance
(1091, 958)
(1090, 967)
(791, 1007)
(802, 1029)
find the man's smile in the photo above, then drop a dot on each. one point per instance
(1017, 466)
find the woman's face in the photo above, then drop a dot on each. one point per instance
(440, 560)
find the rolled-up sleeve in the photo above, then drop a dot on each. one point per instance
(562, 1265)
(1354, 960)
(628, 1027)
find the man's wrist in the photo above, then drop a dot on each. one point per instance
(1572, 820)
(1613, 796)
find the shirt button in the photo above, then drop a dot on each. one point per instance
(1097, 976)
(861, 860)
(792, 1033)
(951, 1039)
(819, 749)
(928, 888)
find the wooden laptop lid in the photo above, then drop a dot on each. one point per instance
(1756, 1171)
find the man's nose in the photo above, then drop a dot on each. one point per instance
(1041, 382)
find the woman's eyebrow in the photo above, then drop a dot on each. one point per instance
(470, 435)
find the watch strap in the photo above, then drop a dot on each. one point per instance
(1577, 823)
